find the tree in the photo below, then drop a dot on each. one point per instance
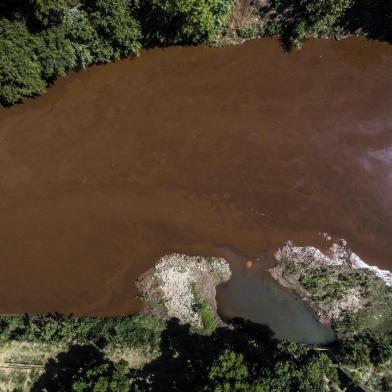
(55, 53)
(229, 373)
(118, 31)
(48, 12)
(298, 368)
(297, 19)
(182, 21)
(82, 35)
(20, 70)
(107, 377)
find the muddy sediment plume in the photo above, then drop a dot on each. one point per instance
(185, 148)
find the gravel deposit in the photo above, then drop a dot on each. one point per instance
(166, 288)
(298, 262)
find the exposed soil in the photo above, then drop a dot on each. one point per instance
(185, 148)
(178, 285)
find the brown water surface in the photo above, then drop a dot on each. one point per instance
(185, 148)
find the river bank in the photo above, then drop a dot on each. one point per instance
(238, 153)
(350, 296)
(184, 287)
(180, 295)
(73, 35)
(40, 352)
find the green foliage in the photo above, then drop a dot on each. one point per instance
(375, 317)
(300, 369)
(242, 358)
(168, 22)
(48, 12)
(128, 331)
(229, 373)
(42, 39)
(366, 348)
(106, 377)
(207, 316)
(55, 53)
(327, 285)
(292, 367)
(249, 31)
(20, 70)
(82, 36)
(321, 284)
(297, 19)
(61, 35)
(119, 33)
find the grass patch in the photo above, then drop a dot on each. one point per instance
(207, 316)
(130, 331)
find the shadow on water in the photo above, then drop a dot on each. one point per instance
(252, 294)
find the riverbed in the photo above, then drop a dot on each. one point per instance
(181, 149)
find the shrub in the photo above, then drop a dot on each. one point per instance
(55, 53)
(168, 22)
(106, 377)
(296, 19)
(20, 69)
(119, 33)
(229, 373)
(129, 331)
(207, 316)
(48, 12)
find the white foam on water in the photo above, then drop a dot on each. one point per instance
(340, 252)
(385, 275)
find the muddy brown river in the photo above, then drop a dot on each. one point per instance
(185, 149)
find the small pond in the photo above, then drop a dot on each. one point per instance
(252, 294)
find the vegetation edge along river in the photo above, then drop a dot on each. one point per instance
(43, 39)
(180, 343)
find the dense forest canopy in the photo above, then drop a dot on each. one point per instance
(42, 39)
(245, 357)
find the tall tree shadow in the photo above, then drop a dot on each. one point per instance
(372, 18)
(59, 371)
(185, 356)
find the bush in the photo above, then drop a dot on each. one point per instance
(20, 69)
(82, 36)
(55, 53)
(207, 316)
(106, 377)
(229, 373)
(43, 39)
(48, 12)
(119, 33)
(129, 331)
(169, 22)
(365, 349)
(297, 19)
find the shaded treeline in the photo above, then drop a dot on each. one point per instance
(244, 357)
(43, 39)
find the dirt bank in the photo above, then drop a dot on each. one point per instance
(336, 284)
